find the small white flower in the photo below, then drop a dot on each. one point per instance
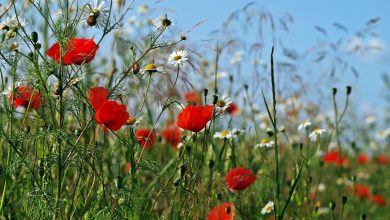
(133, 121)
(265, 143)
(97, 15)
(223, 104)
(162, 22)
(323, 210)
(304, 125)
(384, 134)
(13, 22)
(316, 133)
(225, 134)
(178, 58)
(267, 208)
(236, 131)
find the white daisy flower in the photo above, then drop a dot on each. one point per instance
(151, 68)
(178, 58)
(223, 104)
(13, 22)
(265, 143)
(225, 134)
(304, 125)
(97, 15)
(236, 131)
(316, 133)
(267, 208)
(371, 120)
(162, 22)
(321, 187)
(133, 121)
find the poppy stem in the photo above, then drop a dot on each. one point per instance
(146, 92)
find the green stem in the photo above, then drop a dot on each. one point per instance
(146, 92)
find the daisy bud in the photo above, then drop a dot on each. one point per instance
(215, 99)
(344, 199)
(34, 37)
(332, 205)
(334, 91)
(349, 90)
(183, 37)
(136, 68)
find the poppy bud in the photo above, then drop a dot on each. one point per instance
(215, 99)
(349, 90)
(363, 217)
(344, 199)
(205, 92)
(211, 164)
(183, 169)
(246, 86)
(231, 78)
(34, 37)
(31, 55)
(136, 68)
(309, 179)
(119, 182)
(334, 91)
(332, 205)
(41, 168)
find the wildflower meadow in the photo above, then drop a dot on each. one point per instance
(113, 110)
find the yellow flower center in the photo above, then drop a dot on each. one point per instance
(264, 141)
(224, 133)
(131, 120)
(176, 58)
(268, 208)
(150, 67)
(221, 103)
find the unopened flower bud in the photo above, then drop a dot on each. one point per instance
(215, 99)
(349, 90)
(344, 199)
(136, 68)
(205, 92)
(334, 91)
(34, 37)
(332, 205)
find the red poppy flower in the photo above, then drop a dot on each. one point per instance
(233, 109)
(111, 115)
(172, 134)
(224, 211)
(271, 218)
(194, 118)
(24, 96)
(363, 159)
(97, 96)
(192, 97)
(108, 114)
(334, 157)
(362, 191)
(77, 51)
(145, 137)
(382, 159)
(239, 178)
(378, 199)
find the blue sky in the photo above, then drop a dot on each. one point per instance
(307, 14)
